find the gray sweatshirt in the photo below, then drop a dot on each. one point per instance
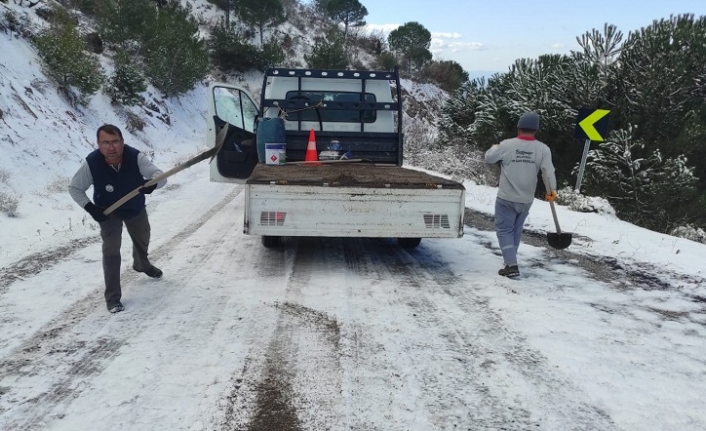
(83, 179)
(521, 160)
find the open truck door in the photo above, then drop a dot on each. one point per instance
(237, 158)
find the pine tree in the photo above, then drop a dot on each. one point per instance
(350, 12)
(126, 83)
(125, 23)
(655, 80)
(66, 59)
(449, 75)
(459, 112)
(329, 52)
(227, 6)
(410, 39)
(262, 14)
(644, 187)
(660, 65)
(230, 51)
(662, 84)
(593, 74)
(602, 48)
(176, 57)
(272, 54)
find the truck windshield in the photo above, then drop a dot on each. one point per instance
(235, 107)
(331, 115)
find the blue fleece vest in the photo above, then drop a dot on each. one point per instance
(109, 186)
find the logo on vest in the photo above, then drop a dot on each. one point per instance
(109, 188)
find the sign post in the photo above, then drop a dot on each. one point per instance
(591, 125)
(586, 146)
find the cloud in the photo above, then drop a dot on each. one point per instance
(558, 46)
(438, 45)
(440, 35)
(444, 41)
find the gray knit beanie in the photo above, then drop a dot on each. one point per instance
(529, 121)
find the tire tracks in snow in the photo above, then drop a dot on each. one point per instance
(295, 384)
(68, 347)
(490, 350)
(35, 263)
(474, 356)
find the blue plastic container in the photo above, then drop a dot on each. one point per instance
(269, 131)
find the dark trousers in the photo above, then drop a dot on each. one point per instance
(111, 231)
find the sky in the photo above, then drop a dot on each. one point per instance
(429, 339)
(491, 35)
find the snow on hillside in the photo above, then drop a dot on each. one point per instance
(44, 139)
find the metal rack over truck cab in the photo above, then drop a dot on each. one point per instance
(359, 187)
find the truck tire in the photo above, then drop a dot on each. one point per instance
(409, 242)
(271, 241)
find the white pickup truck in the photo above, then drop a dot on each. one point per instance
(362, 190)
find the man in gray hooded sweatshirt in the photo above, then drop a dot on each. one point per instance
(521, 159)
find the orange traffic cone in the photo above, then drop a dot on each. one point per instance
(312, 157)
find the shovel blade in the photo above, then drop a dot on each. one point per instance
(559, 240)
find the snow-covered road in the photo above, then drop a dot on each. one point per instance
(339, 334)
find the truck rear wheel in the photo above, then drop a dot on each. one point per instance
(271, 241)
(409, 242)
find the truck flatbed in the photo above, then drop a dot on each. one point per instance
(353, 174)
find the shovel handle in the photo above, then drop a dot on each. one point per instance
(556, 220)
(545, 178)
(159, 178)
(220, 138)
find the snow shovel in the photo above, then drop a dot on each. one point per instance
(558, 240)
(220, 139)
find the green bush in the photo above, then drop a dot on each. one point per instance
(125, 23)
(10, 22)
(66, 59)
(231, 52)
(176, 57)
(448, 75)
(126, 83)
(328, 53)
(272, 54)
(386, 61)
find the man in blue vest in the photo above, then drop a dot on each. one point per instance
(114, 170)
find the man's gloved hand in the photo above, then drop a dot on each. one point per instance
(95, 212)
(550, 197)
(149, 189)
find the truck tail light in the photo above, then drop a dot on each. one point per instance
(272, 218)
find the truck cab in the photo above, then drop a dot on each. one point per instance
(353, 111)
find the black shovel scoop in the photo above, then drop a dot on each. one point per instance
(556, 240)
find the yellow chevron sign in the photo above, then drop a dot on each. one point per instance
(592, 124)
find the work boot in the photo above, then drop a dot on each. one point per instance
(115, 307)
(152, 271)
(510, 271)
